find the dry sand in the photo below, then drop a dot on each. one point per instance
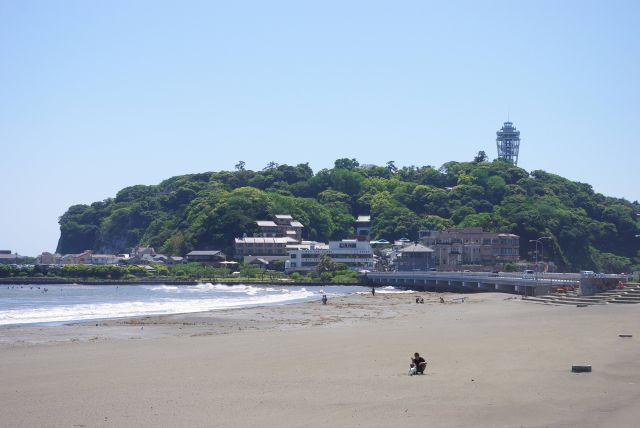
(494, 361)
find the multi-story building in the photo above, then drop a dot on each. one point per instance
(454, 248)
(414, 257)
(272, 240)
(7, 257)
(138, 253)
(363, 227)
(267, 248)
(282, 225)
(47, 258)
(350, 252)
(104, 259)
(77, 259)
(212, 257)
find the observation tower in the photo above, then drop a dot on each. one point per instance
(508, 142)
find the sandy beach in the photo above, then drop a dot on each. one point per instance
(494, 361)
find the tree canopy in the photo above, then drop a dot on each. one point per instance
(207, 211)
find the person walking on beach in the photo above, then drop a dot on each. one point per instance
(324, 299)
(418, 364)
(373, 291)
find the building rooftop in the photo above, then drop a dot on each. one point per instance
(8, 256)
(363, 219)
(283, 217)
(264, 240)
(296, 223)
(84, 253)
(416, 248)
(205, 253)
(307, 246)
(266, 223)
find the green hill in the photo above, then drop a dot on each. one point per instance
(206, 211)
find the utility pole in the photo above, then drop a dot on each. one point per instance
(539, 241)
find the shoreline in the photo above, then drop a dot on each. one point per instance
(65, 281)
(54, 312)
(107, 320)
(280, 314)
(493, 361)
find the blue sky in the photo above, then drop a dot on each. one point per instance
(99, 95)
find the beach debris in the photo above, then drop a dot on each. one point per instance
(625, 335)
(582, 305)
(581, 369)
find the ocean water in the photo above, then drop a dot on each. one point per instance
(61, 304)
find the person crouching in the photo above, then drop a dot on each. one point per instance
(418, 364)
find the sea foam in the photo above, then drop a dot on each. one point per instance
(64, 304)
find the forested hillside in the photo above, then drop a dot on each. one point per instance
(206, 211)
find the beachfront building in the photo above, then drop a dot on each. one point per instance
(282, 225)
(137, 253)
(76, 259)
(212, 257)
(414, 257)
(7, 257)
(350, 252)
(392, 253)
(454, 247)
(47, 258)
(87, 257)
(104, 259)
(249, 248)
(272, 241)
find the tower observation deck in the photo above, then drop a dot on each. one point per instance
(508, 142)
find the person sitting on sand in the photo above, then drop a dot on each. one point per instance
(421, 300)
(418, 299)
(418, 363)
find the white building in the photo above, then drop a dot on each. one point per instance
(104, 259)
(354, 254)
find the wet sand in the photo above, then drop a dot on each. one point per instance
(494, 361)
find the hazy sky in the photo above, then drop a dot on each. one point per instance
(99, 95)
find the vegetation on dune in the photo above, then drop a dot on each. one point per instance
(207, 211)
(183, 272)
